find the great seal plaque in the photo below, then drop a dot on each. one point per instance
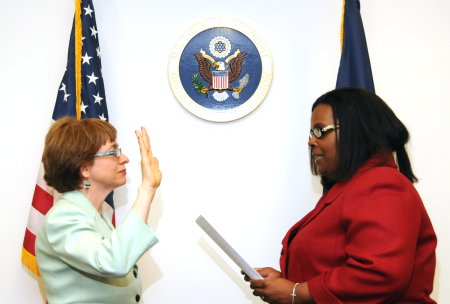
(220, 70)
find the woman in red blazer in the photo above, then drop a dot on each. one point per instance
(369, 238)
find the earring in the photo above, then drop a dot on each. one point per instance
(86, 184)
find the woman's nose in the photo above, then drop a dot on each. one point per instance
(312, 141)
(123, 159)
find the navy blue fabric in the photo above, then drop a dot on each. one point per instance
(65, 105)
(354, 68)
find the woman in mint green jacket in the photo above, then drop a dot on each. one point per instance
(81, 256)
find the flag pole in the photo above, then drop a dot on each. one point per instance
(342, 25)
(78, 46)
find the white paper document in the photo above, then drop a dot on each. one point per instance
(220, 241)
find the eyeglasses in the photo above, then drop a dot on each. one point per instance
(117, 152)
(318, 132)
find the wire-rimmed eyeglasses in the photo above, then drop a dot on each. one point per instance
(117, 152)
(318, 132)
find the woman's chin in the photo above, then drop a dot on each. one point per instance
(120, 183)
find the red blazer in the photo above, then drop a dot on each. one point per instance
(369, 240)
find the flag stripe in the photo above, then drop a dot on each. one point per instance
(42, 200)
(29, 240)
(220, 82)
(34, 220)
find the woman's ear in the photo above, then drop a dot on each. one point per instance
(84, 171)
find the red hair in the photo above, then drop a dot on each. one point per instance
(71, 143)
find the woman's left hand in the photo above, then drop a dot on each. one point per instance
(274, 291)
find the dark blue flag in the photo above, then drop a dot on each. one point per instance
(354, 68)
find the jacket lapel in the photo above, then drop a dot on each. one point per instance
(107, 219)
(329, 197)
(324, 201)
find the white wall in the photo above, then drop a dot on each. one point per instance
(250, 177)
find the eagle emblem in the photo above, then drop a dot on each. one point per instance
(220, 69)
(218, 74)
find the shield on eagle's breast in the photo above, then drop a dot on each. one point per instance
(220, 80)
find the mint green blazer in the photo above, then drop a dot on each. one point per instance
(82, 258)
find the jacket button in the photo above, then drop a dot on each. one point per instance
(138, 298)
(135, 273)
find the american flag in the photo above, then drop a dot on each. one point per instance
(220, 80)
(81, 94)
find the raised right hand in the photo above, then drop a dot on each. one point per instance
(151, 174)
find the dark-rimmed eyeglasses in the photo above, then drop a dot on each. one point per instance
(117, 152)
(318, 132)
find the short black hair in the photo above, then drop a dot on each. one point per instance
(367, 126)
